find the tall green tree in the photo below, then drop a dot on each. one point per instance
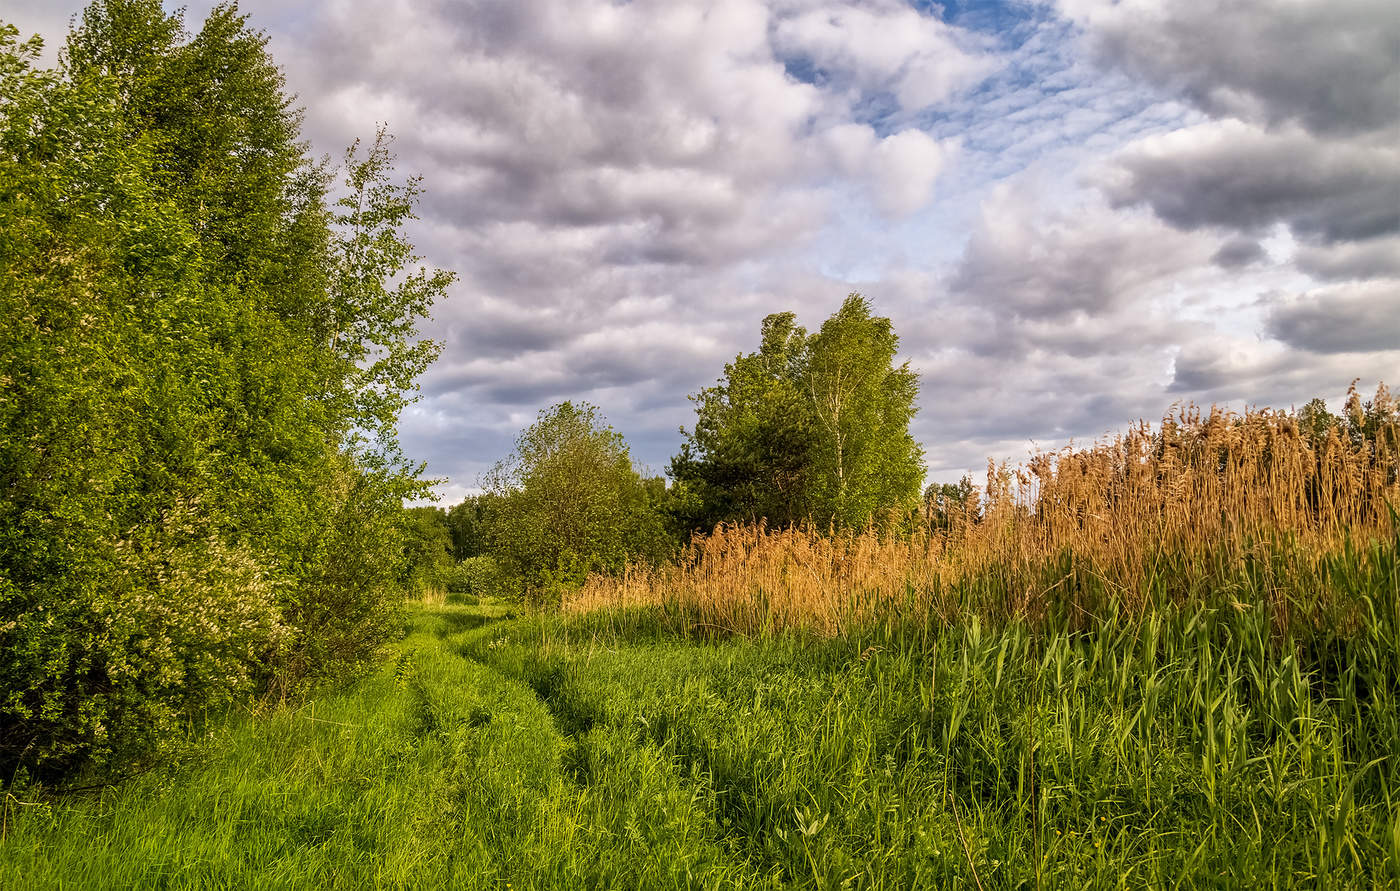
(466, 521)
(809, 428)
(751, 454)
(568, 501)
(428, 548)
(866, 461)
(204, 344)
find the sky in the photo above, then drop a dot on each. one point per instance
(1076, 213)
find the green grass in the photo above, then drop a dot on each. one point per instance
(1187, 749)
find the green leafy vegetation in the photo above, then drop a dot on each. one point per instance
(568, 502)
(1189, 749)
(811, 428)
(204, 346)
(1171, 659)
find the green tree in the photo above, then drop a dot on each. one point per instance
(866, 461)
(751, 453)
(568, 501)
(204, 345)
(1315, 421)
(809, 428)
(427, 548)
(467, 524)
(947, 504)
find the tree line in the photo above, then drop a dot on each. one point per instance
(206, 337)
(809, 428)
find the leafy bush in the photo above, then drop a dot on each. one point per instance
(110, 665)
(204, 347)
(567, 502)
(428, 561)
(475, 578)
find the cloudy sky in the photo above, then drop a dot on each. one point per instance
(1076, 212)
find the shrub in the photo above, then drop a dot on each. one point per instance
(177, 623)
(475, 578)
(204, 347)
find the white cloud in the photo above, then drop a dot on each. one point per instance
(885, 47)
(899, 169)
(1071, 223)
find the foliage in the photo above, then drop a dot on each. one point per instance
(1186, 749)
(866, 462)
(179, 624)
(202, 350)
(809, 428)
(947, 504)
(427, 548)
(466, 521)
(750, 455)
(568, 502)
(477, 577)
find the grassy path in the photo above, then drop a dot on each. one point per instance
(497, 753)
(438, 771)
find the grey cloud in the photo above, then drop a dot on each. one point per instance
(580, 114)
(1332, 65)
(1237, 372)
(1377, 258)
(1234, 175)
(1038, 267)
(497, 329)
(1201, 369)
(980, 407)
(1349, 319)
(1237, 253)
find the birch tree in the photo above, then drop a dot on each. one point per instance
(809, 428)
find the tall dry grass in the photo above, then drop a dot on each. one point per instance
(1247, 509)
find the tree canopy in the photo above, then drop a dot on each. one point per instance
(567, 501)
(808, 428)
(204, 345)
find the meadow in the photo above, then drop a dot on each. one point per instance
(1169, 660)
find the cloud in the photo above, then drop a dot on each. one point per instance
(1346, 319)
(1238, 252)
(1377, 258)
(1331, 66)
(1040, 266)
(899, 169)
(1240, 371)
(1231, 174)
(883, 47)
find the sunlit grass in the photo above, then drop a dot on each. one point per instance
(1137, 671)
(1175, 516)
(1185, 748)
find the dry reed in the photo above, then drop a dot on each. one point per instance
(1177, 512)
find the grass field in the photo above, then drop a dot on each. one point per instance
(607, 751)
(1168, 661)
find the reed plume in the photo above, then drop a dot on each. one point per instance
(1209, 506)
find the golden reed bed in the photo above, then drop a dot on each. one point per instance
(1178, 510)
